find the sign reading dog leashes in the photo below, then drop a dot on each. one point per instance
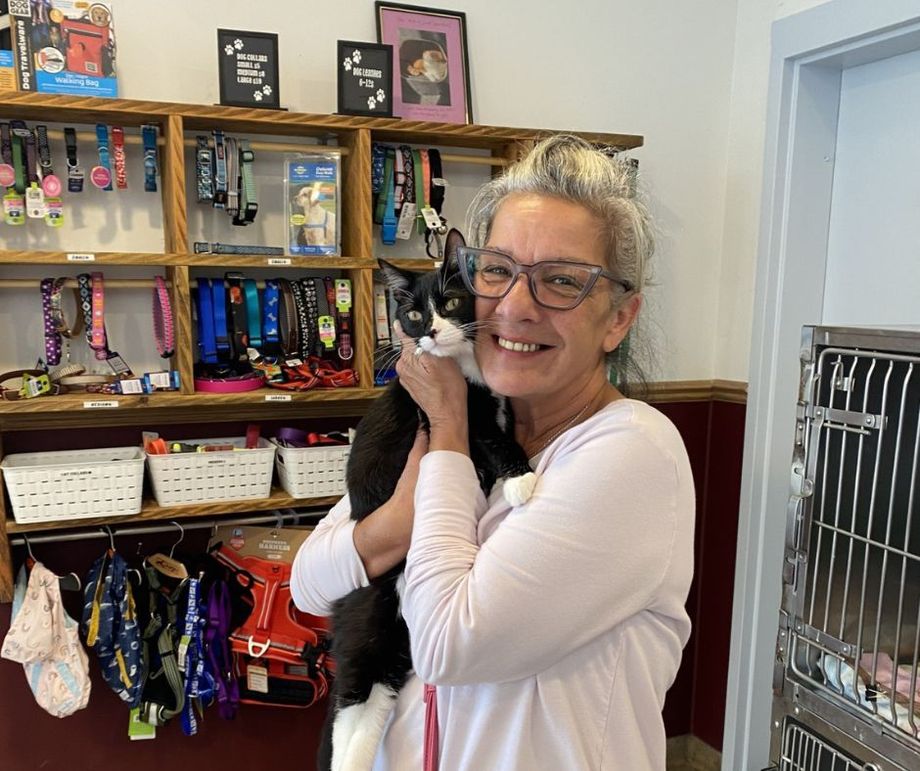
(280, 654)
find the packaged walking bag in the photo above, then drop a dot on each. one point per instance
(280, 655)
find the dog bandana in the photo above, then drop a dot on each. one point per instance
(110, 626)
(44, 639)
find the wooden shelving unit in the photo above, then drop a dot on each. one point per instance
(151, 512)
(353, 137)
(192, 260)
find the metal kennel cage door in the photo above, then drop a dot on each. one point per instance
(846, 681)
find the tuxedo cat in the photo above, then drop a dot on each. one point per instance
(370, 639)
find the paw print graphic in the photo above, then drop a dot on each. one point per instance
(356, 57)
(381, 96)
(238, 44)
(347, 65)
(371, 103)
(257, 95)
(228, 49)
(267, 90)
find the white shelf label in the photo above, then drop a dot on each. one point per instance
(278, 397)
(279, 261)
(100, 404)
(80, 257)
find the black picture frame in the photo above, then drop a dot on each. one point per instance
(413, 99)
(263, 94)
(355, 97)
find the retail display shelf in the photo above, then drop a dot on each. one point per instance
(412, 263)
(177, 124)
(36, 106)
(150, 511)
(89, 410)
(86, 260)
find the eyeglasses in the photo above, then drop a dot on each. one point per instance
(556, 284)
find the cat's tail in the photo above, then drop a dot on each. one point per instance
(358, 730)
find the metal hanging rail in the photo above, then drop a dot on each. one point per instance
(130, 530)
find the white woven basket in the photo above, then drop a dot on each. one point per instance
(199, 477)
(312, 472)
(74, 484)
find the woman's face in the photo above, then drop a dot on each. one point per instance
(533, 228)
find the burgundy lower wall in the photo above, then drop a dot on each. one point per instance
(96, 738)
(692, 420)
(714, 435)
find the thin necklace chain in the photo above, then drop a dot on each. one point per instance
(564, 428)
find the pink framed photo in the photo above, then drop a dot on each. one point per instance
(431, 70)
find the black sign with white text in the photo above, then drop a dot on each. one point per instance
(365, 73)
(248, 68)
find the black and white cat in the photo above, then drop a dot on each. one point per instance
(370, 639)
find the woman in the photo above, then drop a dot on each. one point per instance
(551, 630)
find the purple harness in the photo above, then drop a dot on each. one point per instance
(217, 637)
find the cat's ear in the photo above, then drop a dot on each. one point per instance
(454, 240)
(397, 280)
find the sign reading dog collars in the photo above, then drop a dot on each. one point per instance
(248, 65)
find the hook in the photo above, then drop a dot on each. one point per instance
(181, 536)
(25, 538)
(107, 529)
(75, 584)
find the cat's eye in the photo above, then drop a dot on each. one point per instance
(452, 304)
(414, 316)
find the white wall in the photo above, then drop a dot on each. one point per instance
(874, 228)
(659, 68)
(745, 149)
(690, 77)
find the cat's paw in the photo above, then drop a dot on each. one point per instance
(517, 490)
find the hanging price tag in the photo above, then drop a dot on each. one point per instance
(432, 220)
(406, 221)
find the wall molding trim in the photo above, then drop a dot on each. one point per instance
(732, 391)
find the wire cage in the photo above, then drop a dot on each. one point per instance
(850, 626)
(803, 750)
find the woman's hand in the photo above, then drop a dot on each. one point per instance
(438, 387)
(382, 538)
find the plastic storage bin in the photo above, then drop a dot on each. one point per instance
(74, 484)
(199, 477)
(312, 472)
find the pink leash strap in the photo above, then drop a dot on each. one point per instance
(432, 742)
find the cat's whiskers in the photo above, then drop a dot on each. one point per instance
(390, 359)
(473, 326)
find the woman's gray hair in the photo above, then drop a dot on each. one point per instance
(571, 169)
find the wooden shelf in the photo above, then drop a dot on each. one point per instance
(182, 259)
(150, 511)
(72, 410)
(407, 263)
(78, 109)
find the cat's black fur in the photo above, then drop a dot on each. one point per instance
(370, 638)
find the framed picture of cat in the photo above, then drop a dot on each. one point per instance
(431, 68)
